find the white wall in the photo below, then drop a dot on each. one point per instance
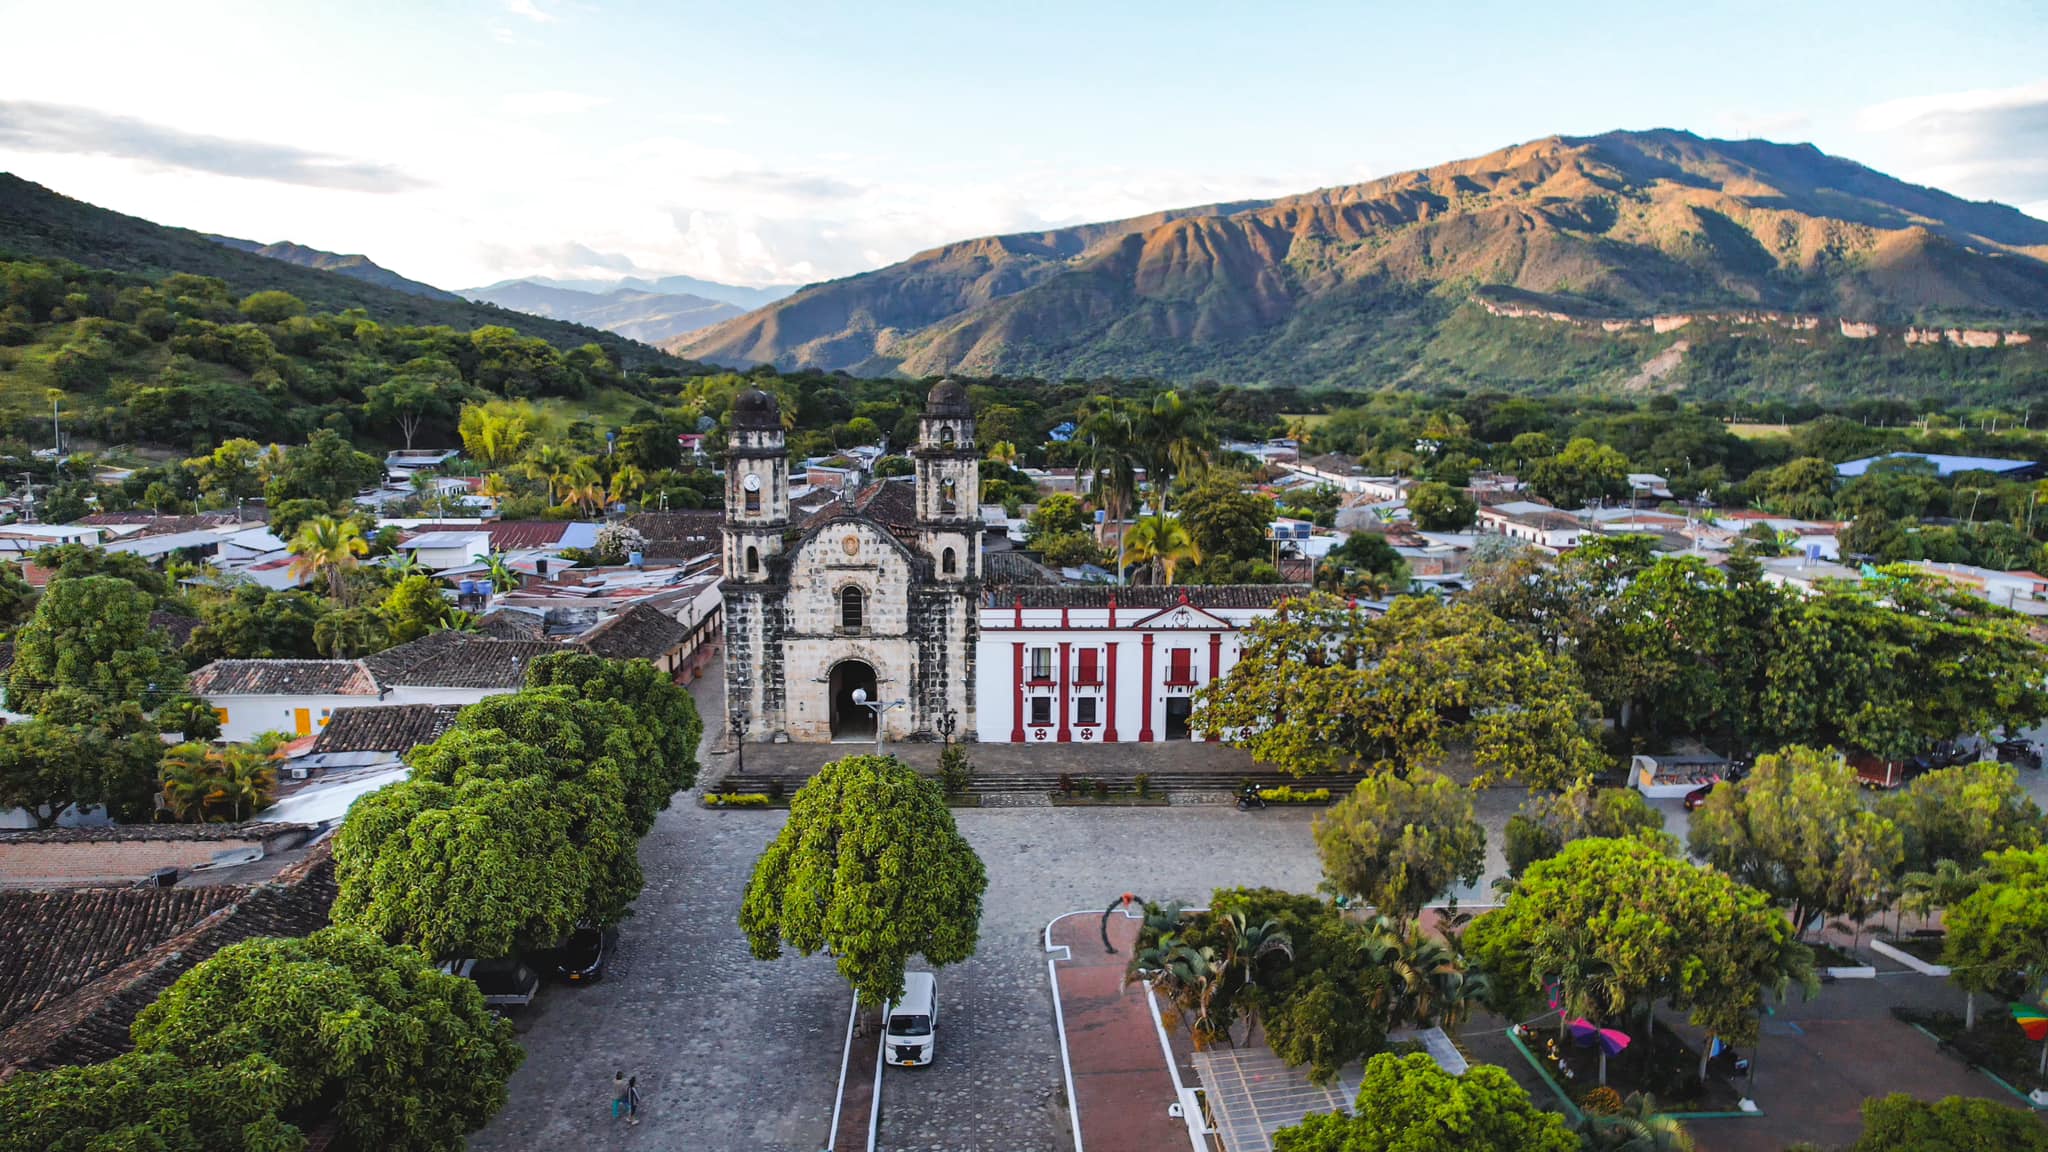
(251, 716)
(411, 694)
(995, 659)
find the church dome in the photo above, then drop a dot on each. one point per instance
(947, 398)
(754, 408)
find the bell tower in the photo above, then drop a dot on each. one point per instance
(949, 485)
(756, 488)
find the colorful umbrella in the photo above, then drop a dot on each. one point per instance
(2032, 1021)
(1586, 1034)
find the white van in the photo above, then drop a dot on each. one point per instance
(910, 1022)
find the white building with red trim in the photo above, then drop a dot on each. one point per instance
(1094, 664)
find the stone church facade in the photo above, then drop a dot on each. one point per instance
(876, 593)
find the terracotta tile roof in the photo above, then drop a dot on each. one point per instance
(283, 678)
(1144, 596)
(393, 728)
(91, 1022)
(679, 535)
(640, 632)
(393, 662)
(119, 833)
(53, 943)
(892, 502)
(504, 625)
(475, 662)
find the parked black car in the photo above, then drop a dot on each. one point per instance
(579, 959)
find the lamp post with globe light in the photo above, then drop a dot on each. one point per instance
(880, 709)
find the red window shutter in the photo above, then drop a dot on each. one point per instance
(1088, 666)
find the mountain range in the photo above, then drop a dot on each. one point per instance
(1405, 279)
(355, 267)
(735, 294)
(637, 313)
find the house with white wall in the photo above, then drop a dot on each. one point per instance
(295, 697)
(1060, 664)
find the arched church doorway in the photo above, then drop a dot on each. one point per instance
(851, 721)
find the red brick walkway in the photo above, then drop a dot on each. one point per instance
(1122, 1086)
(856, 1103)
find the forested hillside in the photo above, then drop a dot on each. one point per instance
(36, 222)
(186, 361)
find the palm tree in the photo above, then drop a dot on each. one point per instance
(1638, 1127)
(246, 779)
(1436, 987)
(1163, 542)
(494, 488)
(1245, 946)
(404, 564)
(1177, 439)
(1112, 462)
(185, 779)
(546, 463)
(326, 545)
(1192, 977)
(626, 480)
(1003, 452)
(457, 620)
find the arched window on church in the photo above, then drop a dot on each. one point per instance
(946, 498)
(753, 500)
(753, 560)
(853, 606)
(947, 563)
(946, 434)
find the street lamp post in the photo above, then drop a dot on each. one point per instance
(881, 710)
(739, 741)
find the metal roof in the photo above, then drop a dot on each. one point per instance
(1944, 465)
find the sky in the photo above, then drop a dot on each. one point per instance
(462, 142)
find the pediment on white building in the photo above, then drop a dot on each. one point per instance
(1185, 618)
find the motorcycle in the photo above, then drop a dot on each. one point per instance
(1249, 799)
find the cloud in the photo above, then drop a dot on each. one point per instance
(804, 186)
(567, 260)
(29, 126)
(552, 102)
(1990, 142)
(530, 10)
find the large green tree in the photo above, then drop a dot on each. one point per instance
(1226, 522)
(1796, 827)
(406, 1057)
(1998, 935)
(1438, 507)
(480, 868)
(871, 868)
(1586, 470)
(1960, 814)
(1618, 925)
(1321, 686)
(660, 705)
(1399, 843)
(93, 634)
(576, 736)
(1892, 664)
(247, 621)
(150, 1102)
(1409, 1104)
(47, 766)
(325, 468)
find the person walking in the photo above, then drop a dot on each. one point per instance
(621, 1094)
(632, 1100)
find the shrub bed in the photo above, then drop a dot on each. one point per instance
(737, 800)
(1289, 794)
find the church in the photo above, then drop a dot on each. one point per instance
(882, 597)
(871, 600)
